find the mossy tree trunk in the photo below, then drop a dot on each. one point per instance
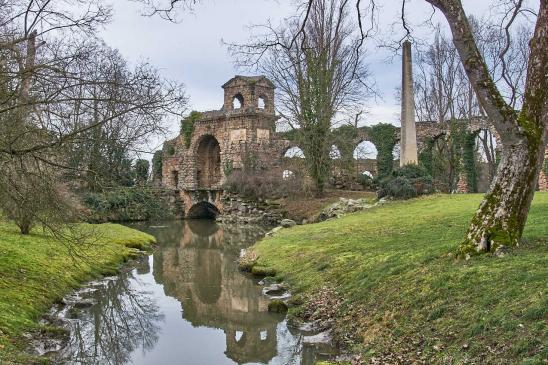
(503, 212)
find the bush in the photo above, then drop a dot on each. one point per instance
(398, 188)
(263, 185)
(367, 182)
(411, 172)
(126, 204)
(406, 182)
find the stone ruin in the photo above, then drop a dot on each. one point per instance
(243, 131)
(222, 141)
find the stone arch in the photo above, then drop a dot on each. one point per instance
(365, 149)
(208, 161)
(203, 210)
(237, 101)
(292, 151)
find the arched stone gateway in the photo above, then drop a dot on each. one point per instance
(208, 171)
(221, 142)
(203, 210)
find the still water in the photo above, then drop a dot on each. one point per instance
(186, 304)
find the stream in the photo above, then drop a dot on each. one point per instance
(187, 303)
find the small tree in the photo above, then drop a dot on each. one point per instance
(318, 72)
(140, 169)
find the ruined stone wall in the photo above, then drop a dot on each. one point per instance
(244, 138)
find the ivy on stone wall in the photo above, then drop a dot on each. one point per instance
(383, 136)
(187, 127)
(465, 145)
(170, 149)
(426, 156)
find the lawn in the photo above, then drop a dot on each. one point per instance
(405, 294)
(36, 270)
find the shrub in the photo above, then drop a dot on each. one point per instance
(398, 188)
(262, 185)
(187, 126)
(406, 182)
(411, 171)
(126, 204)
(367, 182)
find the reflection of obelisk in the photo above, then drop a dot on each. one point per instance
(408, 141)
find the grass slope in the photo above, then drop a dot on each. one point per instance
(403, 290)
(36, 270)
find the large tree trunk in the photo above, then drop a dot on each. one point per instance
(502, 214)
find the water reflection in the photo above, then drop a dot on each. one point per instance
(110, 319)
(186, 304)
(201, 272)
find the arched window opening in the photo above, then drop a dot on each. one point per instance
(368, 174)
(238, 101)
(294, 152)
(396, 152)
(334, 154)
(365, 151)
(262, 103)
(238, 335)
(486, 145)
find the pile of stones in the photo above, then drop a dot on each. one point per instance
(344, 206)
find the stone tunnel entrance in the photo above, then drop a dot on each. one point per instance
(208, 162)
(203, 210)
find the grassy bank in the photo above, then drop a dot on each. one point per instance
(402, 296)
(36, 270)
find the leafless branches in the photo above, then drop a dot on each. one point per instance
(66, 99)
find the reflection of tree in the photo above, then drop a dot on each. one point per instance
(122, 320)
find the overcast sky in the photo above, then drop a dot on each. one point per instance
(191, 51)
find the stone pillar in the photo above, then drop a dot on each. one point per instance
(408, 139)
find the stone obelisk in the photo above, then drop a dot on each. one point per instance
(408, 141)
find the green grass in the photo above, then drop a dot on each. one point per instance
(36, 270)
(404, 291)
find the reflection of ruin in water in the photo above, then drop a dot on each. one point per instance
(201, 272)
(136, 316)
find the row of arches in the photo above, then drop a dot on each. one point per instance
(364, 150)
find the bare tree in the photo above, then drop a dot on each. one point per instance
(318, 72)
(53, 99)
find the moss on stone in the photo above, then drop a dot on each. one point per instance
(277, 306)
